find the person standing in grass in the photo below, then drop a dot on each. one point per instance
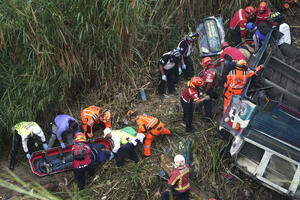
(63, 124)
(82, 162)
(178, 184)
(24, 132)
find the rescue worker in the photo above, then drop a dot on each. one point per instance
(262, 13)
(168, 65)
(192, 94)
(257, 36)
(24, 132)
(185, 47)
(63, 124)
(178, 184)
(228, 58)
(277, 20)
(237, 25)
(236, 81)
(128, 142)
(208, 75)
(150, 126)
(82, 162)
(95, 115)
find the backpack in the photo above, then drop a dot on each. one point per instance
(79, 151)
(264, 28)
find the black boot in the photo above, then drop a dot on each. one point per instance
(189, 127)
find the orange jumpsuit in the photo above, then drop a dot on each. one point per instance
(151, 127)
(94, 115)
(236, 81)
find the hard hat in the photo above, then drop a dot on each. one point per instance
(107, 131)
(224, 44)
(176, 53)
(80, 137)
(197, 81)
(192, 36)
(130, 113)
(250, 10)
(206, 61)
(179, 160)
(250, 25)
(262, 6)
(36, 130)
(276, 17)
(241, 64)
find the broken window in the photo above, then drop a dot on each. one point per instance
(280, 171)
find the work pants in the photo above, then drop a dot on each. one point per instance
(180, 195)
(228, 66)
(17, 142)
(171, 76)
(235, 35)
(126, 151)
(53, 130)
(189, 71)
(80, 174)
(160, 130)
(208, 103)
(228, 94)
(187, 114)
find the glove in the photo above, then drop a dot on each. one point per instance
(132, 141)
(163, 77)
(183, 66)
(90, 135)
(45, 146)
(112, 155)
(262, 65)
(179, 71)
(140, 137)
(63, 146)
(207, 97)
(28, 155)
(73, 142)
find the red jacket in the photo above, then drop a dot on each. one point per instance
(190, 93)
(82, 163)
(262, 17)
(231, 53)
(209, 74)
(239, 20)
(180, 179)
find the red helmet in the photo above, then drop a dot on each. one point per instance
(250, 10)
(224, 44)
(197, 81)
(80, 137)
(206, 61)
(262, 6)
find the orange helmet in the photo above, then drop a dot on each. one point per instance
(250, 10)
(80, 137)
(206, 61)
(241, 64)
(131, 113)
(197, 81)
(262, 6)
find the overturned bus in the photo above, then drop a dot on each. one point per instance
(265, 121)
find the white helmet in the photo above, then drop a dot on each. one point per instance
(106, 131)
(36, 130)
(179, 160)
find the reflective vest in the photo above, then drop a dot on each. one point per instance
(190, 93)
(262, 17)
(239, 20)
(147, 123)
(25, 128)
(94, 114)
(124, 136)
(180, 179)
(209, 74)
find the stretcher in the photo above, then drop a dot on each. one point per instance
(57, 160)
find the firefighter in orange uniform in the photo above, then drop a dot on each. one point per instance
(151, 127)
(237, 25)
(95, 115)
(236, 80)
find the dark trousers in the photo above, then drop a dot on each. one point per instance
(208, 103)
(171, 78)
(187, 113)
(126, 151)
(189, 71)
(17, 140)
(235, 35)
(79, 174)
(180, 195)
(228, 66)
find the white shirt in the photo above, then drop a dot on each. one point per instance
(284, 28)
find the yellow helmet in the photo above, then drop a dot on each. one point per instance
(80, 137)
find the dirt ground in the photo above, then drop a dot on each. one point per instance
(170, 106)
